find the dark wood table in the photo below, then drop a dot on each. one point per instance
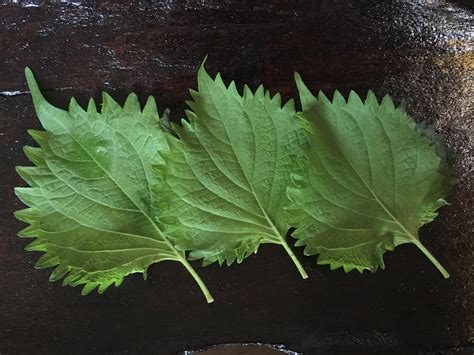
(418, 51)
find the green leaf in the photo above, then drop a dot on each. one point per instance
(371, 180)
(225, 179)
(90, 200)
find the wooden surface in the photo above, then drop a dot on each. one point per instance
(417, 51)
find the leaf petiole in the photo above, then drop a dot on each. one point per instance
(293, 257)
(431, 257)
(198, 280)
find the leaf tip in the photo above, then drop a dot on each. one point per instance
(28, 72)
(297, 77)
(33, 86)
(202, 69)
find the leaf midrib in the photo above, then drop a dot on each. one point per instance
(179, 257)
(280, 239)
(141, 163)
(404, 229)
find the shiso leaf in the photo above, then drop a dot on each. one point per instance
(225, 178)
(91, 209)
(370, 181)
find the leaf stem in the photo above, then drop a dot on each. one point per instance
(430, 256)
(199, 281)
(297, 263)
